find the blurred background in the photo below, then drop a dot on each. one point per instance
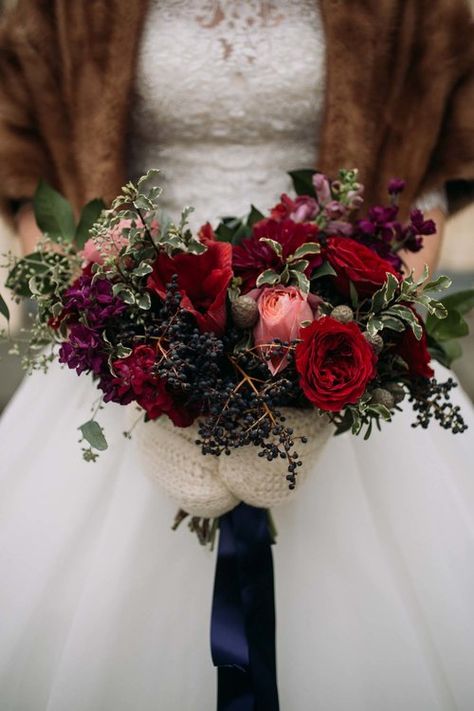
(457, 261)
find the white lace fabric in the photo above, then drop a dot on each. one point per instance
(228, 98)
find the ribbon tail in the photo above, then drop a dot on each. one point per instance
(243, 613)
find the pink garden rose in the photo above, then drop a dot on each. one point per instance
(112, 245)
(282, 310)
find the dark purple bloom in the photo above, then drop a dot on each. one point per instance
(420, 225)
(92, 300)
(396, 186)
(83, 350)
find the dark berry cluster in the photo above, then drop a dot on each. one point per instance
(431, 400)
(232, 389)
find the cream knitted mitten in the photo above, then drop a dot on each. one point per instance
(209, 486)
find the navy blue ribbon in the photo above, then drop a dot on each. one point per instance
(243, 613)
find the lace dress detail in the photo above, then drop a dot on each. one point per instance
(228, 97)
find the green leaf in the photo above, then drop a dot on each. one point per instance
(254, 216)
(4, 310)
(324, 270)
(276, 246)
(394, 324)
(453, 326)
(446, 352)
(374, 325)
(152, 173)
(223, 233)
(390, 288)
(354, 295)
(93, 433)
(123, 351)
(301, 280)
(231, 230)
(303, 181)
(143, 269)
(285, 275)
(124, 293)
(268, 277)
(462, 301)
(144, 301)
(304, 250)
(434, 307)
(89, 216)
(439, 284)
(53, 213)
(300, 266)
(417, 330)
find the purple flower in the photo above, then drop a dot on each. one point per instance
(92, 300)
(334, 210)
(420, 225)
(83, 350)
(396, 186)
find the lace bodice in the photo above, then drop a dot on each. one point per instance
(228, 97)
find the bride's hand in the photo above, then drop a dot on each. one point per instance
(27, 229)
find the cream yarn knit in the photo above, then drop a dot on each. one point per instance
(209, 486)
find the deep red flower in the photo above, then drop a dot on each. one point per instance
(135, 381)
(206, 233)
(202, 279)
(301, 209)
(356, 263)
(335, 363)
(415, 353)
(251, 257)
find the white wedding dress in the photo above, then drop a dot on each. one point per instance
(102, 606)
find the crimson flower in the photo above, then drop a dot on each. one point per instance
(135, 381)
(415, 353)
(356, 263)
(252, 256)
(335, 363)
(202, 281)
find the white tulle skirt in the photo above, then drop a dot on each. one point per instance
(104, 608)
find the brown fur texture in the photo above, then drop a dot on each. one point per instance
(399, 98)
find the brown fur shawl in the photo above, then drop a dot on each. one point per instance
(399, 98)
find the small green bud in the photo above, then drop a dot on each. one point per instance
(343, 314)
(244, 311)
(375, 341)
(397, 392)
(380, 396)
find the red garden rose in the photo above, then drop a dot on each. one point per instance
(251, 257)
(356, 263)
(202, 279)
(415, 353)
(335, 363)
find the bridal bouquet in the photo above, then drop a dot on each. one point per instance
(250, 343)
(241, 329)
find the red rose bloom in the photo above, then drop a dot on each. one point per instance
(202, 280)
(252, 257)
(335, 363)
(356, 263)
(415, 353)
(135, 381)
